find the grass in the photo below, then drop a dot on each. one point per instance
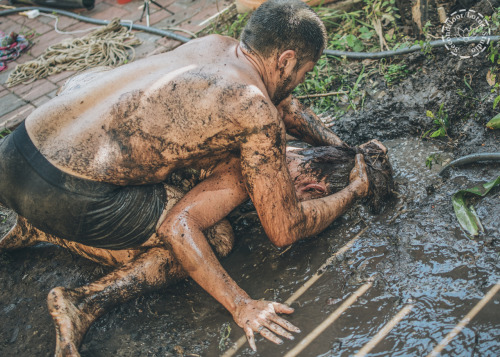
(347, 31)
(395, 73)
(4, 133)
(432, 159)
(441, 123)
(232, 29)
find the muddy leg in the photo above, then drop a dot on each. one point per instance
(22, 235)
(74, 310)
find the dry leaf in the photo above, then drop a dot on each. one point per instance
(490, 78)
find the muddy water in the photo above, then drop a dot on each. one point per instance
(414, 253)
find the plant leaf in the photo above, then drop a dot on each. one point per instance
(466, 215)
(494, 123)
(467, 219)
(496, 101)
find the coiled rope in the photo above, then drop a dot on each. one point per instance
(106, 46)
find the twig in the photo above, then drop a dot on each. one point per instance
(320, 95)
(391, 221)
(286, 250)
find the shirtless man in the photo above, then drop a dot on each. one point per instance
(88, 166)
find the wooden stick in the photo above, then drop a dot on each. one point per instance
(318, 95)
(329, 320)
(456, 330)
(384, 331)
(241, 341)
(322, 268)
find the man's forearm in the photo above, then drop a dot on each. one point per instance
(320, 213)
(308, 218)
(197, 258)
(305, 125)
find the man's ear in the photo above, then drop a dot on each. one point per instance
(287, 60)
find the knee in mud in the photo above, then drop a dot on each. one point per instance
(160, 256)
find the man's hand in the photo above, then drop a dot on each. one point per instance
(358, 177)
(377, 143)
(261, 316)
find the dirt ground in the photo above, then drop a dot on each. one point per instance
(414, 251)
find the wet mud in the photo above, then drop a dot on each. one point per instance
(414, 251)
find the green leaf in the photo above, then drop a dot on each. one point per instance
(429, 114)
(466, 215)
(350, 39)
(496, 101)
(438, 133)
(366, 35)
(494, 123)
(358, 46)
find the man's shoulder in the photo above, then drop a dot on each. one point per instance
(209, 44)
(251, 104)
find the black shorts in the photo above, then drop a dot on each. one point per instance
(93, 213)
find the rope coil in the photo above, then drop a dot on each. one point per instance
(106, 46)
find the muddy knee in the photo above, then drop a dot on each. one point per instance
(21, 235)
(159, 264)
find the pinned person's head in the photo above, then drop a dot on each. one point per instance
(289, 33)
(321, 171)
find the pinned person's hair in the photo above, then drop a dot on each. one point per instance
(333, 164)
(280, 25)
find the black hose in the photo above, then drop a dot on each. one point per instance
(353, 55)
(402, 51)
(152, 30)
(468, 159)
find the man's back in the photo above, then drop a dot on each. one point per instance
(136, 123)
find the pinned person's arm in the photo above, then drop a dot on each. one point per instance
(302, 123)
(269, 185)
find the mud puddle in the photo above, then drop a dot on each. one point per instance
(414, 253)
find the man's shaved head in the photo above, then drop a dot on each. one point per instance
(280, 25)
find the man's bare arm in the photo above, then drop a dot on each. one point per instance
(302, 123)
(268, 183)
(200, 208)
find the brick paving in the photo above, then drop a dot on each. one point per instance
(17, 102)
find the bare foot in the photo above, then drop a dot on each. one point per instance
(70, 321)
(22, 235)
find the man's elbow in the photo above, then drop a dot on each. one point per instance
(286, 236)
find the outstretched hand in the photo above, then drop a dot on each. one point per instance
(359, 178)
(261, 317)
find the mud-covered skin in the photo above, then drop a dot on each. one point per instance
(150, 266)
(302, 123)
(146, 268)
(208, 104)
